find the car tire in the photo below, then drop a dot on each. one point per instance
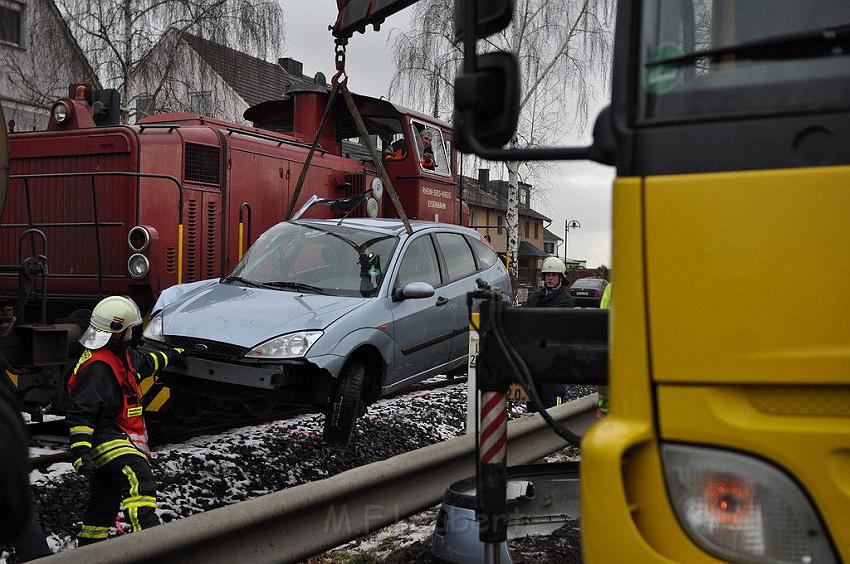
(346, 403)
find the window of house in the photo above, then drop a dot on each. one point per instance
(499, 230)
(11, 22)
(526, 228)
(145, 106)
(200, 102)
(419, 264)
(536, 230)
(523, 196)
(549, 248)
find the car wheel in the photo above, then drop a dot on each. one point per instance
(345, 406)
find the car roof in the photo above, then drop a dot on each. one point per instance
(389, 226)
(589, 279)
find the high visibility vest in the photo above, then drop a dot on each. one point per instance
(130, 420)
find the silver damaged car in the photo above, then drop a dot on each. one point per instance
(327, 313)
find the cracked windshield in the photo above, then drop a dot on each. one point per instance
(333, 260)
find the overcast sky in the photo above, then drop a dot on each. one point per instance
(580, 190)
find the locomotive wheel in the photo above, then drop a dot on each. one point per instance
(346, 404)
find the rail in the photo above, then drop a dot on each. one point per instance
(303, 521)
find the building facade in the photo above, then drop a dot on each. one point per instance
(186, 73)
(488, 202)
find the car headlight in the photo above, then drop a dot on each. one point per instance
(742, 509)
(61, 112)
(291, 345)
(154, 329)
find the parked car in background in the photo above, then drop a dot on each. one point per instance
(587, 292)
(328, 313)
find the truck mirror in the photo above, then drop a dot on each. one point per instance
(487, 102)
(493, 16)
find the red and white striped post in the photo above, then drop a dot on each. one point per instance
(492, 474)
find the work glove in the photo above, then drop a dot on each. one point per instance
(84, 465)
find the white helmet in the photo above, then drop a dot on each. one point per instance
(555, 265)
(111, 316)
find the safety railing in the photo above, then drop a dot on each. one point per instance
(303, 521)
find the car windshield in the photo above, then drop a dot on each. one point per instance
(587, 283)
(322, 259)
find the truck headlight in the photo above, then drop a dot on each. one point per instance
(742, 509)
(291, 345)
(154, 329)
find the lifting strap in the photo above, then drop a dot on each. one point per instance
(364, 138)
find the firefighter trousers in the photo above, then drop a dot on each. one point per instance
(127, 483)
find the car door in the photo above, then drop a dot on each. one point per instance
(421, 327)
(460, 268)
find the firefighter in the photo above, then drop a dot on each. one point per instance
(552, 294)
(109, 441)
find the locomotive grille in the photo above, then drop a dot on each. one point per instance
(214, 349)
(211, 240)
(192, 242)
(171, 259)
(201, 163)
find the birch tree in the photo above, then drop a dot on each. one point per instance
(563, 47)
(118, 36)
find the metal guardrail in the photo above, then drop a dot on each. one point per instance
(300, 522)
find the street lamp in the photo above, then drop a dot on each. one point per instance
(569, 224)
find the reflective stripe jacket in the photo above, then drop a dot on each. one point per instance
(106, 403)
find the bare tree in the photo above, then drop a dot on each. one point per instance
(119, 36)
(563, 47)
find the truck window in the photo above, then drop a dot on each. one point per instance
(730, 57)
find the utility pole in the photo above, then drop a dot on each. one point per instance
(569, 224)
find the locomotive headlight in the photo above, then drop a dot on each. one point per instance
(138, 266)
(61, 113)
(138, 238)
(377, 188)
(291, 345)
(742, 509)
(154, 329)
(372, 208)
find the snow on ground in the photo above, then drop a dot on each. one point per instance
(213, 471)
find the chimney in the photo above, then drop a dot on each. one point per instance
(483, 178)
(291, 66)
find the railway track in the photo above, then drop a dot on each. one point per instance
(54, 433)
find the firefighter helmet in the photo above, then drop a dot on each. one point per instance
(111, 316)
(554, 265)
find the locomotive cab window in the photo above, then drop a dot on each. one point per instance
(431, 148)
(386, 133)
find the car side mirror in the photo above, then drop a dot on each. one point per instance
(414, 290)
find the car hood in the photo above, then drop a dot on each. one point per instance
(249, 316)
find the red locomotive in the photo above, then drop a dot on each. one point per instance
(94, 208)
